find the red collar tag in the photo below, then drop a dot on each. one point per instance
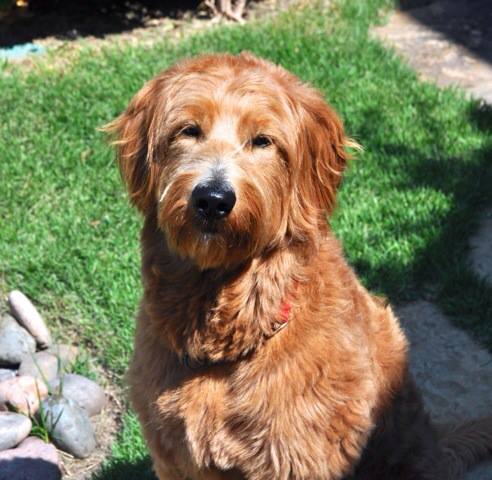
(285, 309)
(283, 317)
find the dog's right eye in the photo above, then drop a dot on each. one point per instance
(192, 131)
(261, 141)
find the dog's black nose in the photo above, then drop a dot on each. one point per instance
(213, 201)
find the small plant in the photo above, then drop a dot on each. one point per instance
(42, 425)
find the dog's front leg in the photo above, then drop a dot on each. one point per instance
(166, 472)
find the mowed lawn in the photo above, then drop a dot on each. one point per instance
(407, 208)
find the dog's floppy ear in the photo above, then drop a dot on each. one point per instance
(321, 158)
(135, 135)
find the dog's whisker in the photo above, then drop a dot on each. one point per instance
(237, 150)
(164, 193)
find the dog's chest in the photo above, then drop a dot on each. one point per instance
(195, 429)
(210, 422)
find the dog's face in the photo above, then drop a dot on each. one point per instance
(232, 155)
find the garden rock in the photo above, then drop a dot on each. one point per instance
(6, 374)
(22, 394)
(31, 460)
(66, 354)
(27, 315)
(42, 365)
(15, 342)
(71, 427)
(83, 392)
(14, 428)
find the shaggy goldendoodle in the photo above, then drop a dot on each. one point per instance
(258, 353)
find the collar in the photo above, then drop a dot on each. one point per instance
(283, 318)
(280, 323)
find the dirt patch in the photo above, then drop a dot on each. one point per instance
(71, 19)
(52, 24)
(66, 40)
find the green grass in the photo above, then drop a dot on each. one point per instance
(408, 205)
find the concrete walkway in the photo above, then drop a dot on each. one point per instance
(450, 43)
(452, 371)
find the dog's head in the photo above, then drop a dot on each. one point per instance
(233, 155)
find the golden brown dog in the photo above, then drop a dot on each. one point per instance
(258, 353)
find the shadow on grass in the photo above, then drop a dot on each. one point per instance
(464, 22)
(71, 19)
(127, 470)
(441, 272)
(30, 468)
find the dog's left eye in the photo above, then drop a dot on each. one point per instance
(191, 131)
(261, 141)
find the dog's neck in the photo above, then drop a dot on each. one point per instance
(215, 315)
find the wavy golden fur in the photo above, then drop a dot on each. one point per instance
(220, 391)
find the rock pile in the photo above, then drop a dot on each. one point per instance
(40, 396)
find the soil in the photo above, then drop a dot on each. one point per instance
(63, 28)
(71, 20)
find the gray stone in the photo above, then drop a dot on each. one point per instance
(31, 460)
(41, 365)
(71, 427)
(27, 315)
(15, 342)
(66, 354)
(82, 391)
(14, 428)
(7, 374)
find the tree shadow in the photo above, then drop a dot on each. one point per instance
(465, 22)
(128, 470)
(70, 19)
(30, 468)
(443, 265)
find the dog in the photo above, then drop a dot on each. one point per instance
(258, 354)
